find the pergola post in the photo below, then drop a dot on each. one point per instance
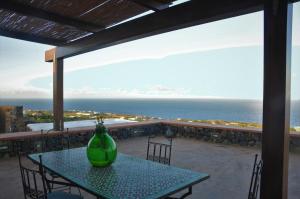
(58, 96)
(276, 104)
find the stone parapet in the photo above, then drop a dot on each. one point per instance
(33, 141)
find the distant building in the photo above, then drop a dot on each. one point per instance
(11, 119)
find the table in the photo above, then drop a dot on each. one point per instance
(127, 178)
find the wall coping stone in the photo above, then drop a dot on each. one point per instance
(77, 130)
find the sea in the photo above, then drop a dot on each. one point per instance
(194, 109)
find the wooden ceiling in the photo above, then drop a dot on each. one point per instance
(77, 26)
(58, 22)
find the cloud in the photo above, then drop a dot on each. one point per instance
(110, 57)
(24, 93)
(161, 88)
(157, 91)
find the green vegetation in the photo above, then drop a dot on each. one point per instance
(228, 123)
(38, 116)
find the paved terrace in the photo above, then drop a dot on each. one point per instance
(229, 167)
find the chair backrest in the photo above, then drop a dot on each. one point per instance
(55, 143)
(33, 185)
(158, 151)
(255, 178)
(45, 181)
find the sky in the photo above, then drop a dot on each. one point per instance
(223, 59)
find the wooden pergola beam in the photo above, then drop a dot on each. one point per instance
(42, 14)
(30, 37)
(277, 97)
(152, 4)
(177, 17)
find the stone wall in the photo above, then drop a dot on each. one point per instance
(250, 137)
(11, 119)
(34, 141)
(217, 135)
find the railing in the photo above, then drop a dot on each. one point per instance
(10, 143)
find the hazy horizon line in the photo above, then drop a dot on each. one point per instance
(143, 98)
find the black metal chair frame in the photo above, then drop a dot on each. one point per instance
(61, 145)
(163, 157)
(255, 178)
(47, 183)
(165, 151)
(58, 146)
(30, 181)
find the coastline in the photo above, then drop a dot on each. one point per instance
(45, 117)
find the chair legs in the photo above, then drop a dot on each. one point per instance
(190, 191)
(63, 187)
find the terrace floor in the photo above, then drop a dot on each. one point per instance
(229, 167)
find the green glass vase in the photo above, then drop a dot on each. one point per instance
(101, 149)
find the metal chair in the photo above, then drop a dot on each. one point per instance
(29, 181)
(255, 178)
(55, 143)
(159, 152)
(4, 149)
(37, 186)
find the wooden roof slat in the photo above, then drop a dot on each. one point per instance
(15, 22)
(74, 41)
(103, 12)
(50, 18)
(39, 13)
(153, 5)
(176, 17)
(113, 12)
(30, 37)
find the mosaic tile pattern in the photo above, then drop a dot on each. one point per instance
(128, 178)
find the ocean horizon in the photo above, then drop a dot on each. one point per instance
(239, 110)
